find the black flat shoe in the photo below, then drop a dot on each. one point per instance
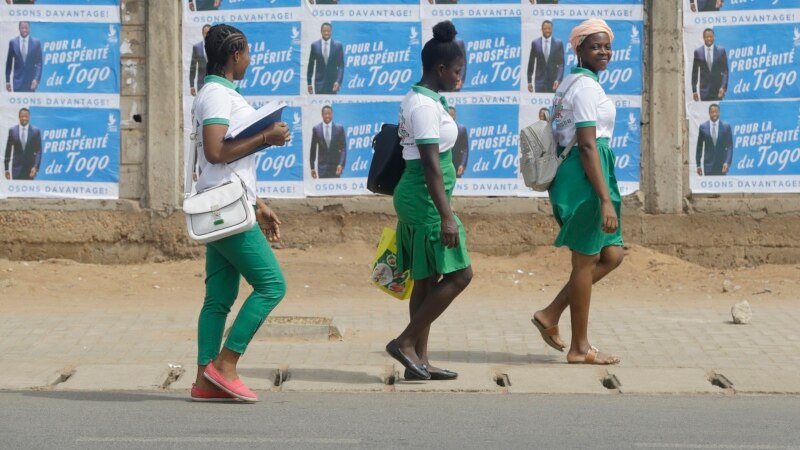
(393, 349)
(441, 374)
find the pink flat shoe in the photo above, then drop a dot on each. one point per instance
(207, 395)
(235, 388)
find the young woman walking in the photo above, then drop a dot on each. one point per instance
(431, 240)
(217, 105)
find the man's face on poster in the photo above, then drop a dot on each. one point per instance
(713, 113)
(24, 118)
(708, 38)
(326, 32)
(205, 31)
(547, 30)
(24, 29)
(452, 112)
(327, 115)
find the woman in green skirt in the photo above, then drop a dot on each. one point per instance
(584, 193)
(431, 241)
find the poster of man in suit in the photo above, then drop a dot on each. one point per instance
(23, 154)
(197, 67)
(546, 61)
(328, 153)
(709, 70)
(325, 63)
(714, 151)
(705, 5)
(461, 149)
(204, 5)
(24, 61)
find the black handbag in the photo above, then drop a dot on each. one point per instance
(387, 164)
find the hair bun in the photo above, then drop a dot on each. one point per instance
(444, 31)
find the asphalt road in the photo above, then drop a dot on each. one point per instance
(113, 420)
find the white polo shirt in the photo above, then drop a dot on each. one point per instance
(424, 120)
(584, 105)
(219, 102)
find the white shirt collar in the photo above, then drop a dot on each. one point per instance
(710, 47)
(714, 122)
(24, 127)
(544, 39)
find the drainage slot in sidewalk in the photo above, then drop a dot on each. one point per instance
(176, 371)
(390, 376)
(64, 374)
(721, 381)
(281, 375)
(502, 380)
(611, 381)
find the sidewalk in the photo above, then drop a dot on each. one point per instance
(69, 326)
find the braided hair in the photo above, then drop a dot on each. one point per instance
(441, 49)
(221, 42)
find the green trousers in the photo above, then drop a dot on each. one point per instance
(247, 254)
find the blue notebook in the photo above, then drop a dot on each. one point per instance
(256, 122)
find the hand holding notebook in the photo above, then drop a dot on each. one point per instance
(256, 122)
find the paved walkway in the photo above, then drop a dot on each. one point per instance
(668, 341)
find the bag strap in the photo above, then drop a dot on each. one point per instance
(574, 140)
(189, 168)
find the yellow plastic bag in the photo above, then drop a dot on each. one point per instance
(385, 275)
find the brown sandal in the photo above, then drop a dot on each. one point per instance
(591, 358)
(548, 334)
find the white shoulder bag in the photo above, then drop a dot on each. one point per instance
(538, 157)
(216, 212)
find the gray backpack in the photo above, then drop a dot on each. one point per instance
(538, 160)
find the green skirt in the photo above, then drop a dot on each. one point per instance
(576, 206)
(419, 246)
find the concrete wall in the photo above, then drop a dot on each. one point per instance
(146, 224)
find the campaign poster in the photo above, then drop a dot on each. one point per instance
(626, 144)
(226, 5)
(337, 139)
(61, 152)
(694, 7)
(745, 147)
(61, 57)
(103, 11)
(361, 57)
(624, 73)
(742, 62)
(492, 53)
(486, 154)
(279, 170)
(742, 94)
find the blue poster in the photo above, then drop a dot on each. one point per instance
(338, 149)
(701, 6)
(253, 4)
(624, 73)
(492, 141)
(626, 145)
(65, 58)
(368, 2)
(79, 2)
(378, 58)
(279, 170)
(274, 58)
(77, 147)
(760, 138)
(492, 49)
(763, 68)
(600, 2)
(361, 123)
